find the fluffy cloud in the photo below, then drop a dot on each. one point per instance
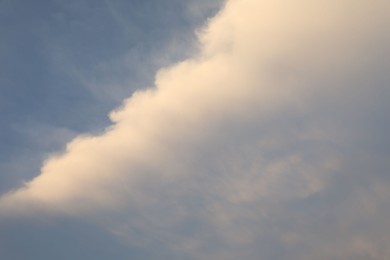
(270, 142)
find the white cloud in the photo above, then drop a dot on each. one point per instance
(250, 148)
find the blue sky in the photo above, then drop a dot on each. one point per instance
(170, 129)
(64, 65)
(90, 54)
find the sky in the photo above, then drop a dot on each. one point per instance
(195, 129)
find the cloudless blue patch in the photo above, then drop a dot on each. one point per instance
(50, 50)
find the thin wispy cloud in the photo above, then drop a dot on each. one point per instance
(267, 143)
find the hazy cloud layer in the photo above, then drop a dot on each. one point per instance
(269, 143)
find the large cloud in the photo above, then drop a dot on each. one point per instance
(270, 142)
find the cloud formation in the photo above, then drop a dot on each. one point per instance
(270, 142)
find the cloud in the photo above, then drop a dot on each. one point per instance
(269, 142)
